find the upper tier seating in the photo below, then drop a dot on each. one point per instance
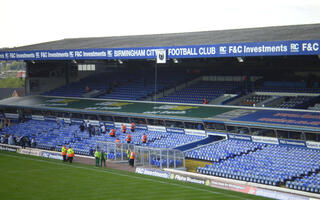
(202, 89)
(223, 150)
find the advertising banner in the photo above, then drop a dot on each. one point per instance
(4, 147)
(153, 172)
(272, 48)
(51, 155)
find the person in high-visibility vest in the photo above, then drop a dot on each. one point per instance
(64, 153)
(144, 138)
(70, 154)
(117, 142)
(128, 154)
(103, 158)
(112, 132)
(97, 155)
(133, 125)
(128, 139)
(132, 157)
(124, 128)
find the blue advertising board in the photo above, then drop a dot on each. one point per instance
(274, 48)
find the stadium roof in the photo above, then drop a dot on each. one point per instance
(277, 33)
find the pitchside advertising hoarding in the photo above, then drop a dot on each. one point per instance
(275, 48)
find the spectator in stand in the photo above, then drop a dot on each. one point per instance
(33, 143)
(76, 135)
(128, 138)
(87, 89)
(1, 126)
(2, 139)
(112, 132)
(103, 129)
(124, 128)
(117, 142)
(82, 127)
(133, 126)
(205, 101)
(144, 138)
(58, 122)
(10, 140)
(6, 122)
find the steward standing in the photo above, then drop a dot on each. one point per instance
(70, 154)
(97, 155)
(64, 153)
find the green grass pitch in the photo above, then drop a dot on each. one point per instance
(27, 177)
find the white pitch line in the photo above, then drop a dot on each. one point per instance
(125, 175)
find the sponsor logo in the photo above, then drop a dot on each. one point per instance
(313, 145)
(170, 109)
(32, 152)
(195, 132)
(51, 155)
(157, 128)
(188, 179)
(267, 140)
(4, 148)
(153, 172)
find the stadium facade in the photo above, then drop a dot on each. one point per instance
(243, 56)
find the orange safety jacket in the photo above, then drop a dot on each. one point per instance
(128, 138)
(70, 152)
(113, 132)
(124, 128)
(144, 138)
(64, 151)
(132, 155)
(132, 125)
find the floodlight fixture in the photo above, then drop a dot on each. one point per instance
(240, 59)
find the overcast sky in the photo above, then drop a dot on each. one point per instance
(25, 22)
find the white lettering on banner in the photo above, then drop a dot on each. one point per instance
(6, 148)
(95, 54)
(58, 55)
(44, 54)
(157, 128)
(182, 52)
(239, 137)
(51, 155)
(267, 140)
(207, 51)
(32, 152)
(310, 46)
(223, 50)
(294, 47)
(235, 49)
(313, 145)
(265, 49)
(78, 54)
(151, 52)
(38, 117)
(194, 132)
(130, 53)
(153, 172)
(2, 56)
(25, 55)
(11, 115)
(297, 143)
(188, 179)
